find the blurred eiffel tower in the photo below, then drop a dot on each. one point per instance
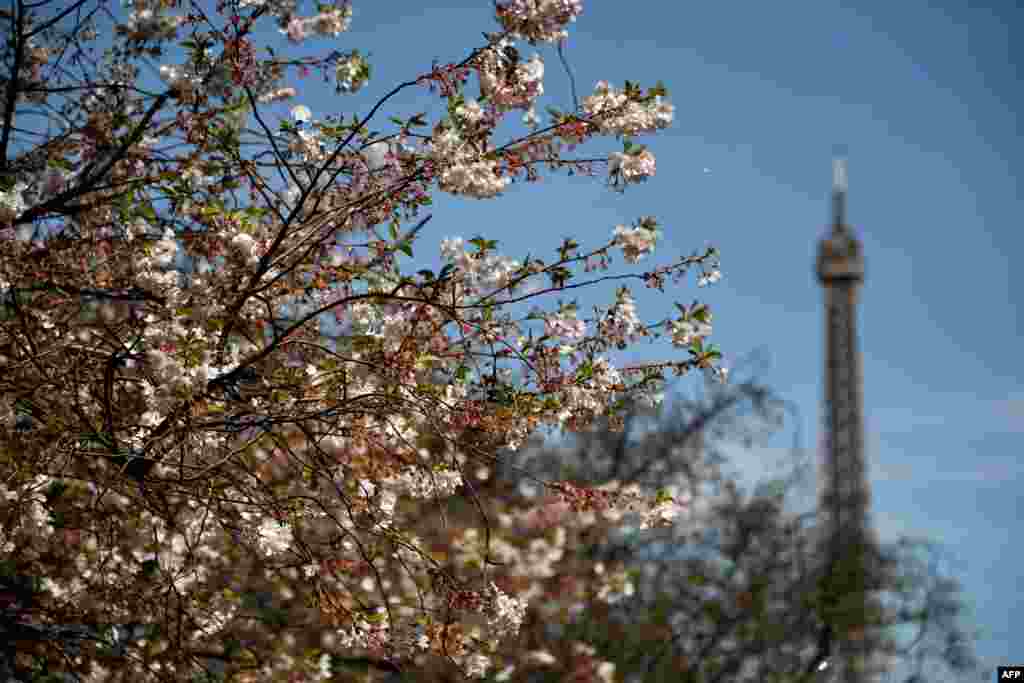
(845, 493)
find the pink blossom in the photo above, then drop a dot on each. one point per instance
(296, 30)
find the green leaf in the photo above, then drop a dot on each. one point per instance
(662, 496)
(232, 647)
(405, 248)
(55, 491)
(559, 275)
(8, 569)
(585, 372)
(446, 271)
(713, 609)
(57, 519)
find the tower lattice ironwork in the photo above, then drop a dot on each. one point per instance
(845, 492)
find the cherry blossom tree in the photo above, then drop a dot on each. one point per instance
(196, 486)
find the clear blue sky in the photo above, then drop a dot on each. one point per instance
(925, 99)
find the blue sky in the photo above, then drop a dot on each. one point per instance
(923, 96)
(925, 99)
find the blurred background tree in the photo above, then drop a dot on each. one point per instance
(738, 592)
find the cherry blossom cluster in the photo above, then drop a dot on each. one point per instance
(330, 21)
(429, 484)
(178, 557)
(462, 172)
(632, 167)
(477, 179)
(628, 116)
(471, 111)
(685, 331)
(663, 513)
(614, 502)
(538, 21)
(218, 77)
(147, 22)
(622, 325)
(352, 73)
(589, 397)
(537, 559)
(637, 242)
(566, 325)
(309, 147)
(369, 632)
(12, 203)
(34, 186)
(504, 614)
(515, 88)
(479, 270)
(710, 277)
(283, 9)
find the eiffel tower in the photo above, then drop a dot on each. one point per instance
(845, 492)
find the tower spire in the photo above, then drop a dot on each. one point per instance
(839, 194)
(845, 494)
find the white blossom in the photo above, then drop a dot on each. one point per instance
(615, 114)
(471, 111)
(635, 242)
(686, 331)
(538, 20)
(541, 657)
(275, 537)
(477, 665)
(709, 278)
(505, 613)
